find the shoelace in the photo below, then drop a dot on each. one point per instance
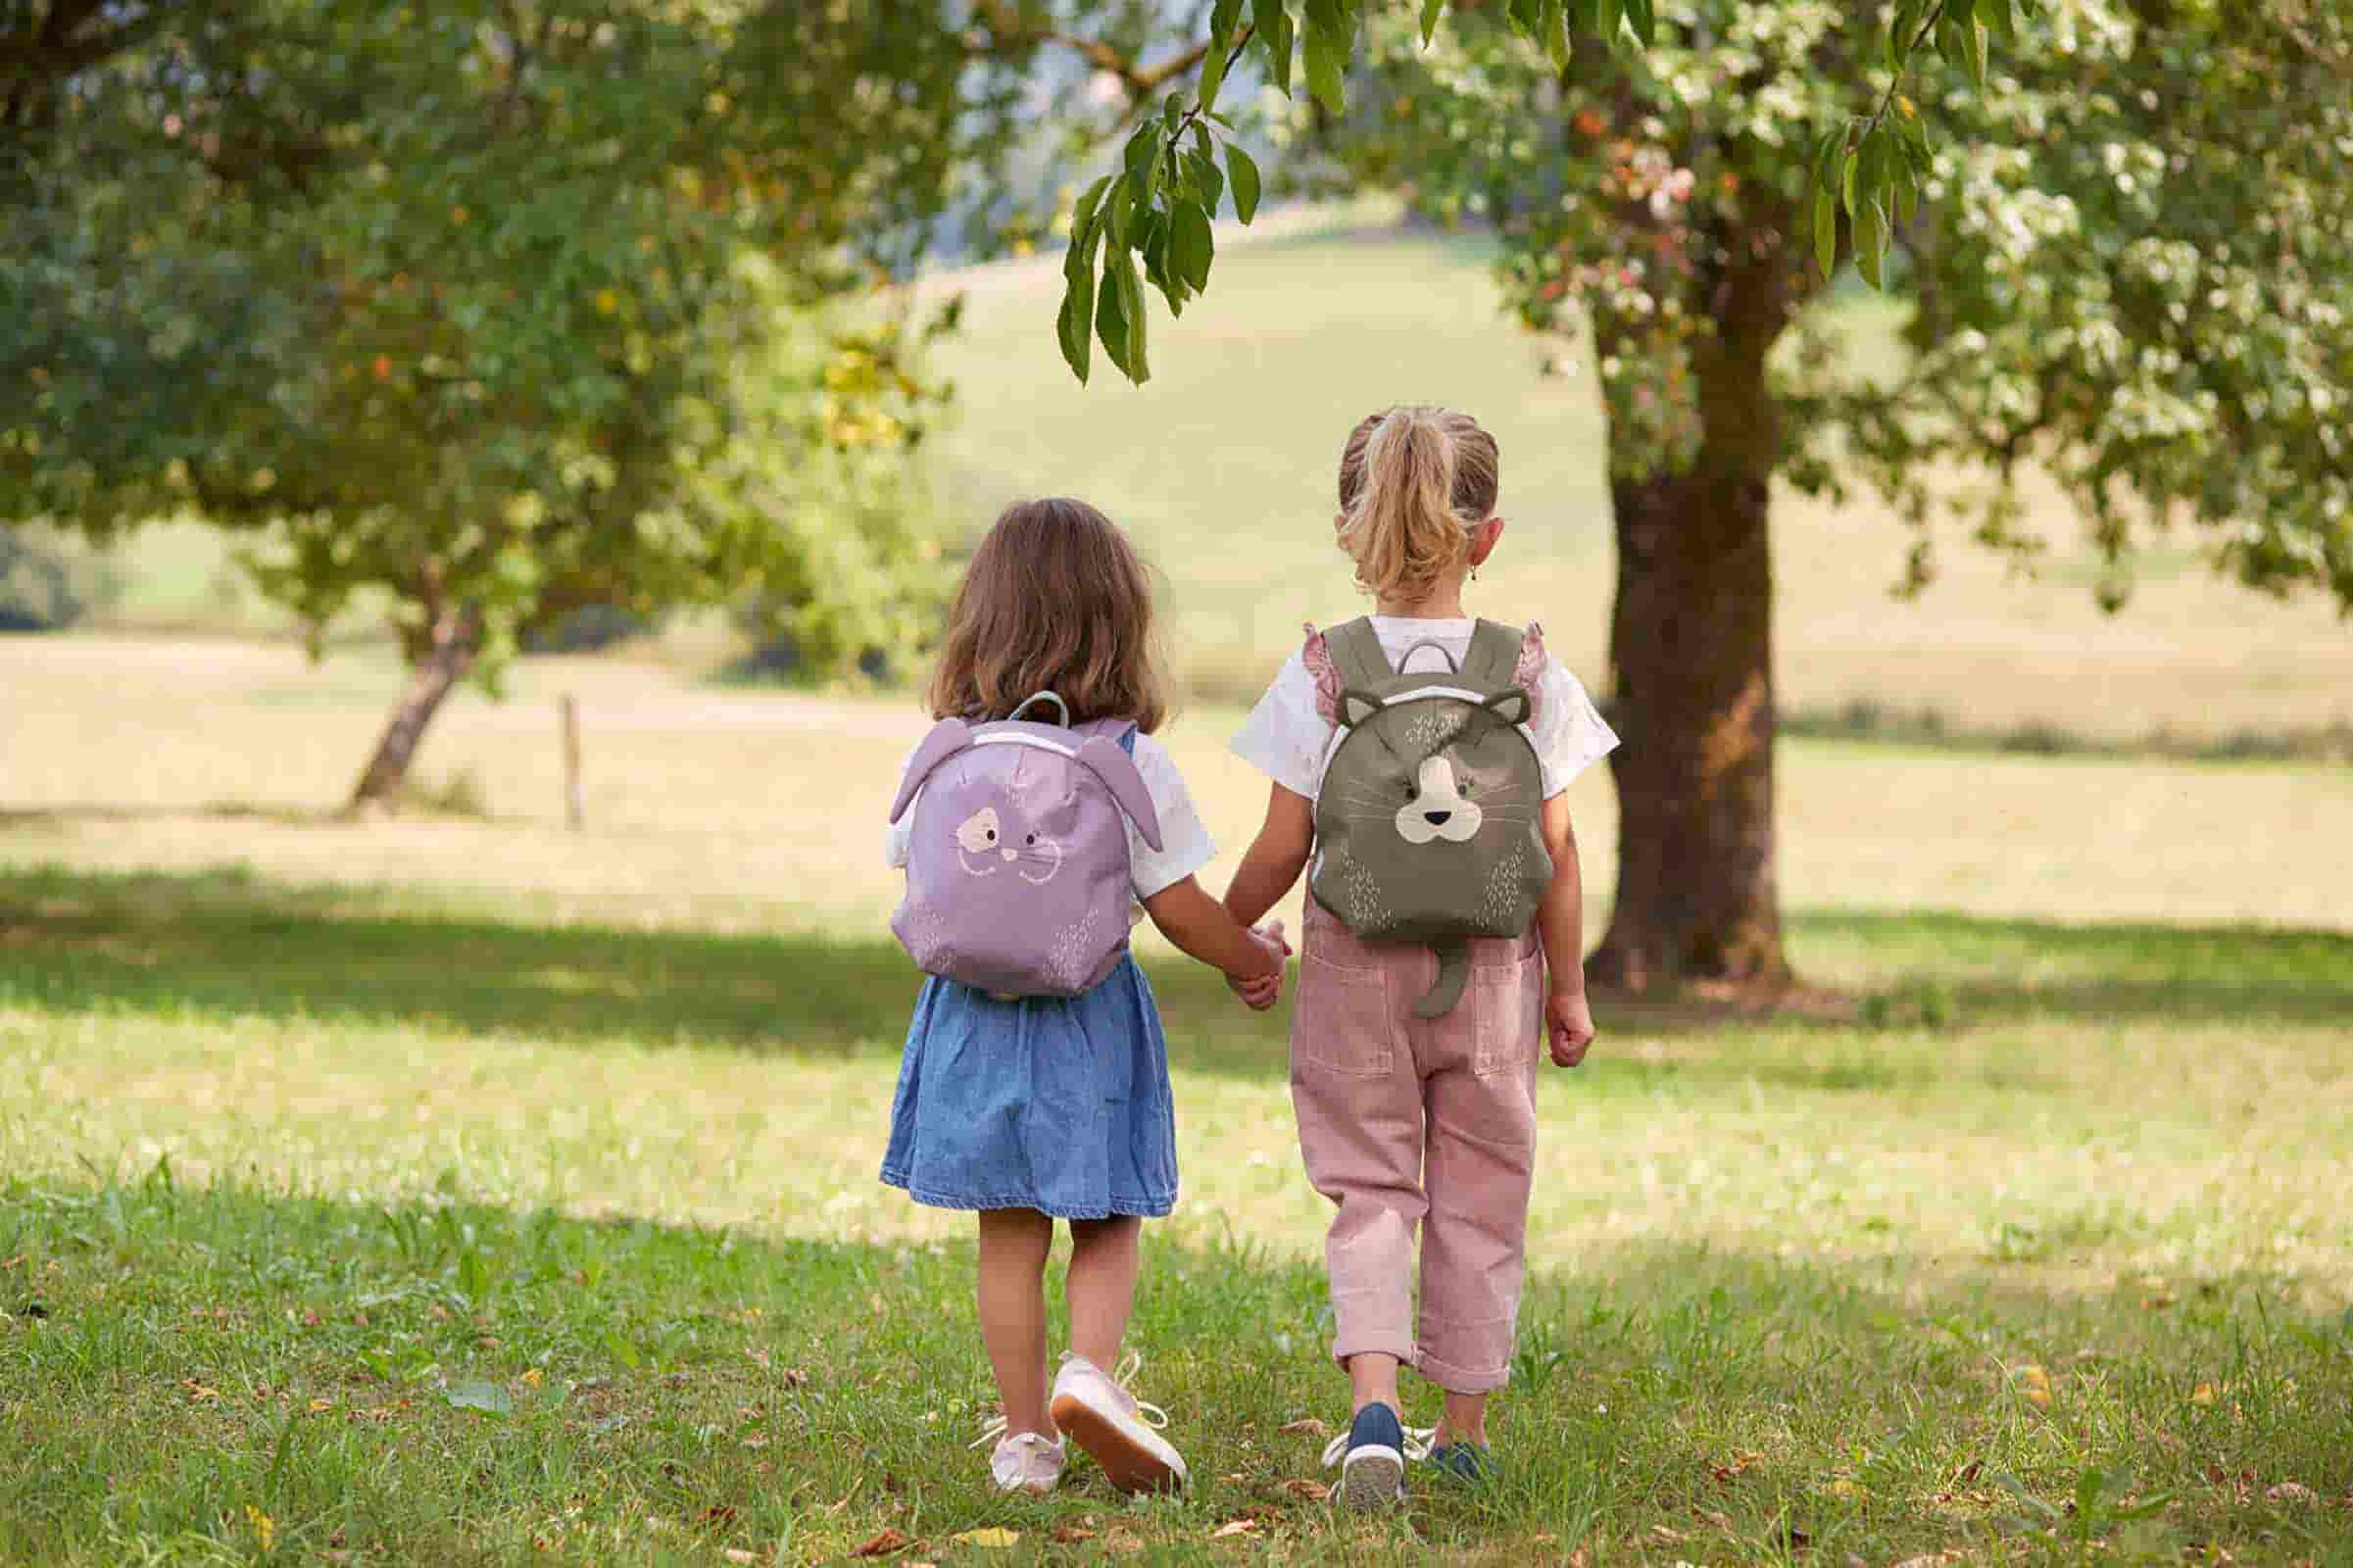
(994, 1433)
(1418, 1443)
(1130, 1364)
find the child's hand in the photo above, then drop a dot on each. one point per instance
(1569, 1026)
(1266, 990)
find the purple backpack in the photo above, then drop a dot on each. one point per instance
(1018, 879)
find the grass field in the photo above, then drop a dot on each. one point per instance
(465, 1190)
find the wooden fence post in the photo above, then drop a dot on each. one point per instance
(574, 815)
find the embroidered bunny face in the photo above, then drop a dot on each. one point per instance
(985, 845)
(1439, 809)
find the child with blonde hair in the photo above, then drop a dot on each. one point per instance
(1419, 756)
(1033, 1085)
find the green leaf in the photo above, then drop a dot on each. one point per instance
(1826, 232)
(487, 1397)
(1142, 159)
(1191, 246)
(1117, 211)
(1643, 13)
(1076, 325)
(1330, 38)
(1553, 29)
(1080, 255)
(1209, 185)
(1110, 312)
(1213, 74)
(1432, 10)
(1527, 18)
(1845, 177)
(1996, 17)
(1612, 14)
(1131, 302)
(624, 1352)
(1245, 176)
(1275, 36)
(1870, 241)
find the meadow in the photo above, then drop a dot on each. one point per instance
(451, 1186)
(455, 1188)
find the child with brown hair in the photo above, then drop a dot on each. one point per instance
(1032, 1108)
(1413, 1066)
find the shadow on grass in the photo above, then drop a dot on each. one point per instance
(229, 942)
(353, 1369)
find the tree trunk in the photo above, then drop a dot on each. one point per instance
(1692, 658)
(448, 653)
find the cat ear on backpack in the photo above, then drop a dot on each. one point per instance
(947, 738)
(1529, 673)
(1317, 655)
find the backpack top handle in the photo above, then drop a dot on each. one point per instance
(1034, 698)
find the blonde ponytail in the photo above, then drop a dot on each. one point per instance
(1413, 484)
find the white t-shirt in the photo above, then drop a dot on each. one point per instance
(1290, 742)
(1184, 843)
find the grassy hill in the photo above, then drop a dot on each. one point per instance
(1224, 466)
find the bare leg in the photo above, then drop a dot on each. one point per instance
(1373, 1380)
(1465, 1420)
(1013, 1244)
(1102, 1288)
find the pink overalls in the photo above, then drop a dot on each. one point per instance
(1407, 1121)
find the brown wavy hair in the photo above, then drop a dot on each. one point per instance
(1414, 482)
(1055, 598)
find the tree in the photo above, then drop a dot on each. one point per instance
(2132, 267)
(501, 308)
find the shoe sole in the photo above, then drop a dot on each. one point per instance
(1372, 1477)
(1130, 1466)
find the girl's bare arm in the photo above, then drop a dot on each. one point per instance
(1275, 857)
(1560, 921)
(1202, 928)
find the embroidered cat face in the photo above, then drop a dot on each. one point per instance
(1439, 809)
(1443, 772)
(990, 841)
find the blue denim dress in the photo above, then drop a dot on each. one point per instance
(1045, 1102)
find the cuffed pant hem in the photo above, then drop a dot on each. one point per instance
(1395, 1344)
(1459, 1379)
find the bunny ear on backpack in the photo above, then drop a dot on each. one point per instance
(1529, 674)
(1118, 771)
(1317, 655)
(947, 738)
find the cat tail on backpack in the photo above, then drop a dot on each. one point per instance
(1453, 973)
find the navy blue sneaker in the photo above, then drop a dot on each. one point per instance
(1471, 1463)
(1371, 1456)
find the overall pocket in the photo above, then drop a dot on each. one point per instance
(1507, 1003)
(1344, 1022)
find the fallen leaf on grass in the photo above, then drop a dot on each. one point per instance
(1235, 1527)
(1308, 1491)
(1934, 1559)
(882, 1544)
(991, 1536)
(739, 1555)
(487, 1397)
(1665, 1533)
(1122, 1542)
(2034, 1385)
(198, 1392)
(1071, 1534)
(1849, 1491)
(321, 1407)
(2202, 1395)
(2293, 1491)
(1305, 1426)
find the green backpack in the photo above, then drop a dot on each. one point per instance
(1426, 823)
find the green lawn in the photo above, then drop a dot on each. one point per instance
(299, 1179)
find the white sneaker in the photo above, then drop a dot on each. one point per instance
(1026, 1461)
(1099, 1414)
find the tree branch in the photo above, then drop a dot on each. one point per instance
(1140, 80)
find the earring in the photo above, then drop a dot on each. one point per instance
(1474, 574)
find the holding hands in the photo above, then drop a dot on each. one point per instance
(1266, 990)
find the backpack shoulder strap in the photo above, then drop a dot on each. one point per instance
(1355, 650)
(1495, 655)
